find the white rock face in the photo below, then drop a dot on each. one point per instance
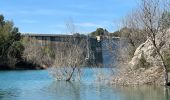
(153, 74)
(148, 51)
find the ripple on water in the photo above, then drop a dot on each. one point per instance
(38, 85)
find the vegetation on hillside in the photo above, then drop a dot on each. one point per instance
(99, 32)
(130, 39)
(167, 58)
(149, 22)
(10, 45)
(36, 54)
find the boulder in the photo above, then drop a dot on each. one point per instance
(149, 53)
(152, 72)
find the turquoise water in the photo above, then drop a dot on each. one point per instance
(39, 85)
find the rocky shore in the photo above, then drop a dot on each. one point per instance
(145, 67)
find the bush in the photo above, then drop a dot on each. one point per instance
(143, 62)
(10, 46)
(36, 54)
(167, 58)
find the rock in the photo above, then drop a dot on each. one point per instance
(153, 73)
(148, 51)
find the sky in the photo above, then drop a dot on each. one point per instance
(51, 16)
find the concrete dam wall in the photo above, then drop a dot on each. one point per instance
(97, 51)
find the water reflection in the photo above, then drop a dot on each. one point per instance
(64, 91)
(80, 91)
(144, 92)
(8, 94)
(24, 86)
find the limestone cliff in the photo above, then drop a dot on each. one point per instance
(147, 50)
(145, 67)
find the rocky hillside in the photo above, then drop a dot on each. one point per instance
(145, 66)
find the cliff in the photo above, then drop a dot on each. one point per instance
(146, 66)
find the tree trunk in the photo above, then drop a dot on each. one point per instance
(163, 62)
(70, 76)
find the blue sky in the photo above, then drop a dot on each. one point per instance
(51, 16)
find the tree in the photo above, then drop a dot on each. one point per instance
(153, 21)
(99, 32)
(69, 55)
(37, 54)
(150, 17)
(130, 39)
(10, 47)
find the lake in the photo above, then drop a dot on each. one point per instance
(39, 85)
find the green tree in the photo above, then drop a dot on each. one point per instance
(167, 58)
(10, 45)
(99, 31)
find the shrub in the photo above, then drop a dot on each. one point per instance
(143, 62)
(167, 58)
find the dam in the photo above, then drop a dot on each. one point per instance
(99, 54)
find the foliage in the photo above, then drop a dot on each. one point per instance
(133, 37)
(79, 35)
(10, 46)
(135, 27)
(99, 32)
(37, 54)
(130, 39)
(115, 34)
(167, 58)
(49, 51)
(144, 23)
(143, 62)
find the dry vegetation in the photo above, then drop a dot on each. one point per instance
(143, 24)
(70, 57)
(36, 54)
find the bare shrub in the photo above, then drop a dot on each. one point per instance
(37, 54)
(147, 19)
(70, 56)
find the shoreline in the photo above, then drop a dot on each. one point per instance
(22, 65)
